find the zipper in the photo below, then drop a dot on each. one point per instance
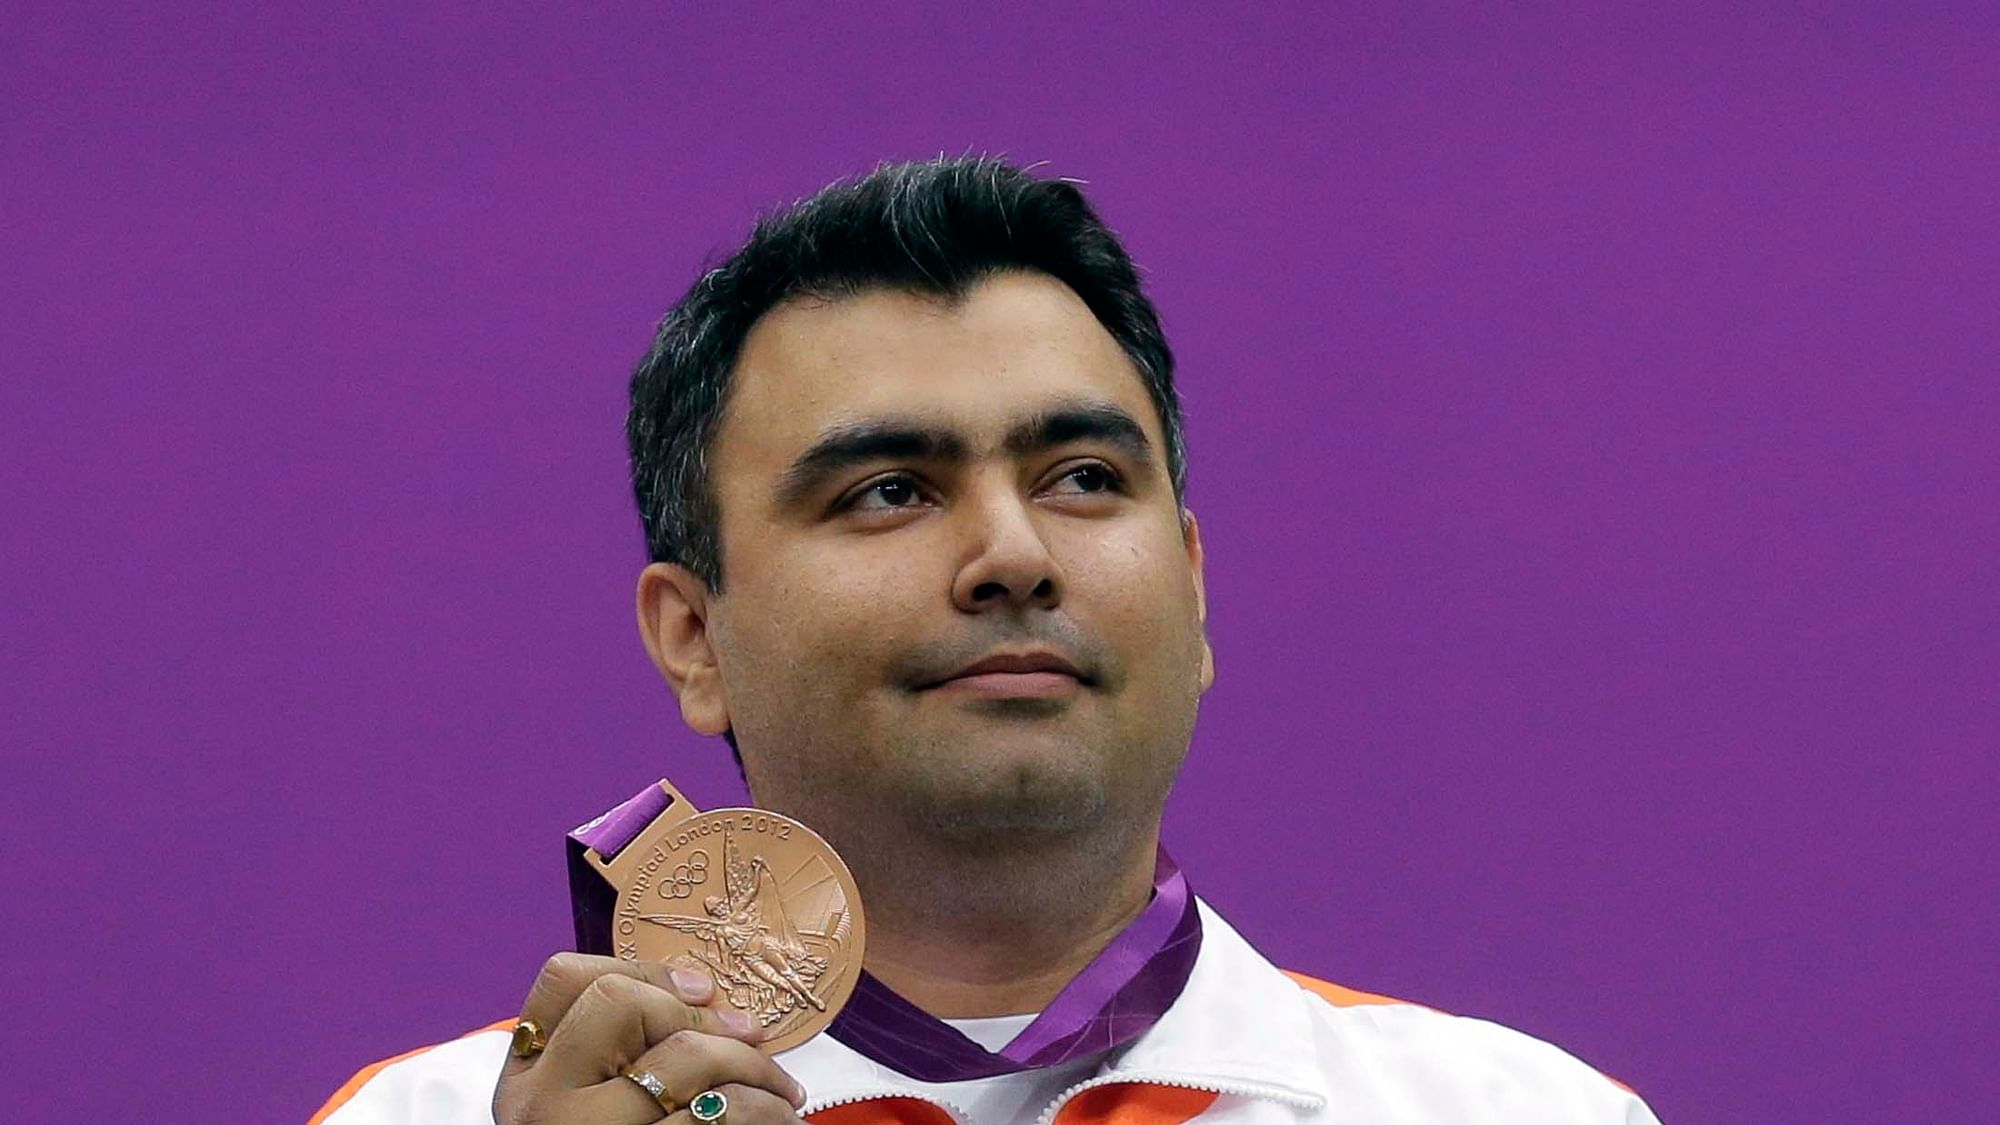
(951, 1111)
(958, 1115)
(1233, 1089)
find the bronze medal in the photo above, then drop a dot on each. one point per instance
(754, 899)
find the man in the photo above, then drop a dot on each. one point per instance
(911, 469)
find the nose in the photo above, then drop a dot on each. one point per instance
(1007, 564)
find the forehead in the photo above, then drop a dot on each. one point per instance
(1012, 345)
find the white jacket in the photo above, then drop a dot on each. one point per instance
(1245, 1044)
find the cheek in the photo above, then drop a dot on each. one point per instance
(824, 617)
(1133, 584)
(862, 584)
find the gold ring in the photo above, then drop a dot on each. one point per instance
(529, 1039)
(709, 1107)
(656, 1089)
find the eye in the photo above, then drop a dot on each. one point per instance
(1088, 477)
(885, 494)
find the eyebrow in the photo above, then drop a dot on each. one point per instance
(851, 444)
(1081, 421)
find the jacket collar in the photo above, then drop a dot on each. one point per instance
(1239, 1026)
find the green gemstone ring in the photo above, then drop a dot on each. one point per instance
(708, 1107)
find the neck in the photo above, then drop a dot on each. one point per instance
(994, 931)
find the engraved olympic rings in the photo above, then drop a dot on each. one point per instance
(685, 877)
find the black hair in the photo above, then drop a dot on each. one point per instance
(937, 227)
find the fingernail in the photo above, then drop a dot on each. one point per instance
(798, 1094)
(738, 1023)
(692, 985)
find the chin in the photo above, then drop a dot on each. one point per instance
(999, 822)
(1030, 800)
(982, 782)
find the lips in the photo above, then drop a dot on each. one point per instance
(1019, 664)
(1037, 674)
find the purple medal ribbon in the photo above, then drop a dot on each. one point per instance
(611, 832)
(591, 899)
(1118, 997)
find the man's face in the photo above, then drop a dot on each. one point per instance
(958, 589)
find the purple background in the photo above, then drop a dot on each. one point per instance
(1593, 423)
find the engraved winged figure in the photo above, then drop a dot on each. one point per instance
(752, 946)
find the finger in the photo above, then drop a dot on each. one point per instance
(689, 1062)
(623, 1101)
(565, 975)
(748, 1105)
(615, 1020)
(603, 1104)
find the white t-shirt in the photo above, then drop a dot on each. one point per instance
(1009, 1099)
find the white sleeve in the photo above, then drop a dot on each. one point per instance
(1543, 1079)
(449, 1084)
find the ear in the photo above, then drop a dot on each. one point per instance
(673, 621)
(1191, 536)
